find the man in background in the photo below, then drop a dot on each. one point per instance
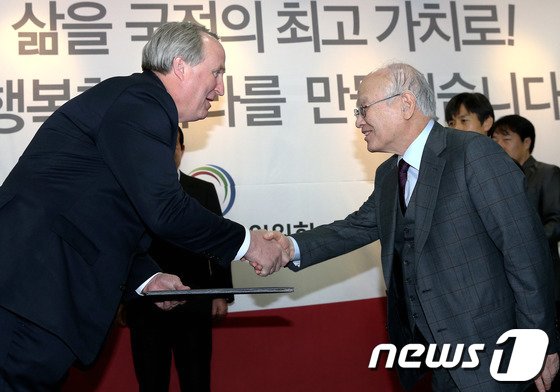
(186, 330)
(516, 135)
(470, 112)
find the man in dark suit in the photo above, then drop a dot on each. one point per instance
(185, 331)
(516, 135)
(464, 255)
(77, 209)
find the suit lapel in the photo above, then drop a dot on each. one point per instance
(427, 186)
(387, 216)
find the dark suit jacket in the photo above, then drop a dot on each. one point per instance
(199, 272)
(543, 190)
(183, 323)
(481, 256)
(76, 209)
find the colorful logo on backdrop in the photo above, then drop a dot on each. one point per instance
(222, 180)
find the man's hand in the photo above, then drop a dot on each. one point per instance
(163, 282)
(265, 256)
(219, 308)
(543, 381)
(284, 242)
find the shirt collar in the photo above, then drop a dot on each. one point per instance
(413, 154)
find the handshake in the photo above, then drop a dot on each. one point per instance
(269, 251)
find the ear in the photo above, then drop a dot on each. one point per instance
(408, 104)
(527, 143)
(487, 124)
(179, 68)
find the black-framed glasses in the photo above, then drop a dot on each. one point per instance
(361, 110)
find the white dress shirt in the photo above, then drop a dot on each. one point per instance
(413, 156)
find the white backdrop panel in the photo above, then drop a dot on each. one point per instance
(284, 131)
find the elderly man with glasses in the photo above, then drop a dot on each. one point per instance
(465, 258)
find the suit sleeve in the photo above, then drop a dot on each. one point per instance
(143, 266)
(221, 275)
(496, 187)
(137, 139)
(337, 238)
(551, 204)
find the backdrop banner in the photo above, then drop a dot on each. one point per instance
(281, 146)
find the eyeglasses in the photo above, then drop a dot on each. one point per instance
(361, 110)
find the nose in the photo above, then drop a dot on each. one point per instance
(220, 85)
(360, 121)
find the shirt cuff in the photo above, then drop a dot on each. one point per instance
(141, 287)
(244, 246)
(297, 255)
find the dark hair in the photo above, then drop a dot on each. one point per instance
(517, 124)
(474, 102)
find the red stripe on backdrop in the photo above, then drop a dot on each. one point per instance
(312, 348)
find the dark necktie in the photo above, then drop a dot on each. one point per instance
(403, 170)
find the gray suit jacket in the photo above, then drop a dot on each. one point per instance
(481, 256)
